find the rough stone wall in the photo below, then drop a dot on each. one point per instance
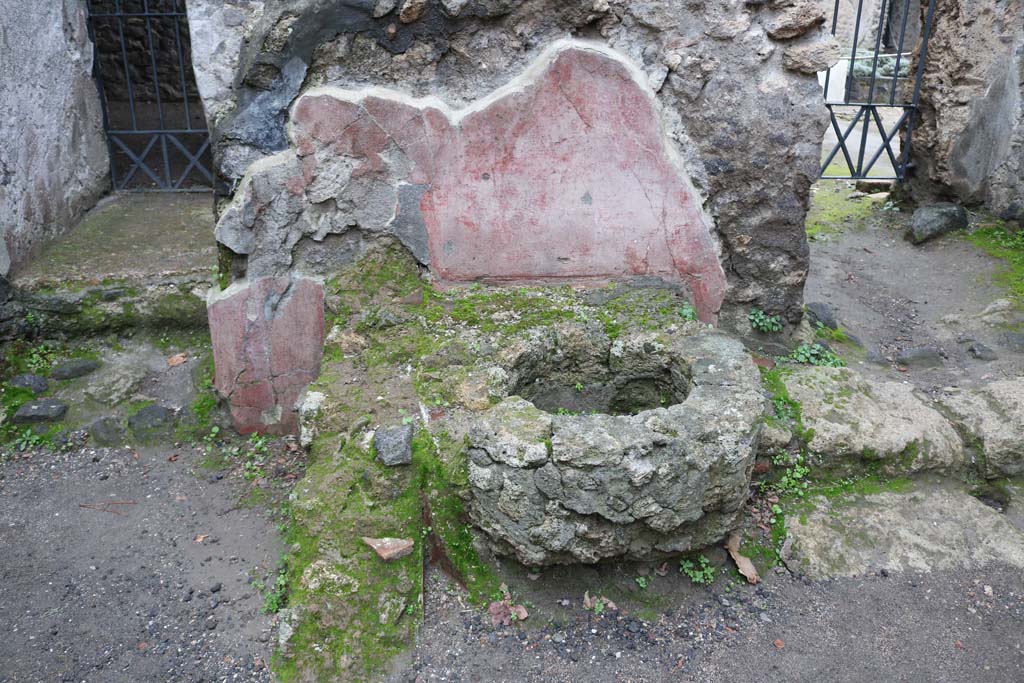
(53, 156)
(748, 129)
(969, 142)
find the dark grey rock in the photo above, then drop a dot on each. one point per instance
(34, 383)
(74, 368)
(150, 420)
(933, 220)
(982, 352)
(820, 312)
(394, 445)
(43, 410)
(875, 356)
(6, 291)
(107, 431)
(920, 357)
(1012, 341)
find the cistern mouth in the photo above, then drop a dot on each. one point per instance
(613, 380)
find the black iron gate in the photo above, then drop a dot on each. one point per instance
(871, 94)
(156, 129)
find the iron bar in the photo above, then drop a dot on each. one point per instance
(156, 91)
(193, 161)
(828, 71)
(841, 143)
(887, 137)
(878, 46)
(899, 52)
(138, 162)
(921, 57)
(853, 52)
(124, 59)
(181, 74)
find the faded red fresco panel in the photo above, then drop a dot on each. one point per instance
(564, 176)
(267, 343)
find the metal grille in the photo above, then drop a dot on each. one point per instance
(871, 95)
(156, 129)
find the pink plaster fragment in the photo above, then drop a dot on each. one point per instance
(267, 344)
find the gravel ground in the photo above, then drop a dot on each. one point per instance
(124, 566)
(949, 626)
(895, 296)
(124, 593)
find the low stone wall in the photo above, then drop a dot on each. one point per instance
(969, 141)
(53, 159)
(667, 140)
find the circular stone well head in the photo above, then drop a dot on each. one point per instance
(634, 448)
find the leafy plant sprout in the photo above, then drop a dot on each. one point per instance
(700, 572)
(763, 322)
(816, 354)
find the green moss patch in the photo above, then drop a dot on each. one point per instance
(832, 211)
(351, 610)
(996, 239)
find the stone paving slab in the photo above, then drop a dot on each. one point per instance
(130, 237)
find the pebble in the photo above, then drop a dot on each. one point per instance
(982, 352)
(74, 368)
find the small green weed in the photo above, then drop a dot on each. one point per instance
(643, 582)
(688, 312)
(275, 596)
(762, 322)
(785, 408)
(700, 572)
(816, 354)
(40, 358)
(28, 440)
(827, 333)
(794, 480)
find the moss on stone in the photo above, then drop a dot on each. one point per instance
(995, 238)
(116, 306)
(351, 610)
